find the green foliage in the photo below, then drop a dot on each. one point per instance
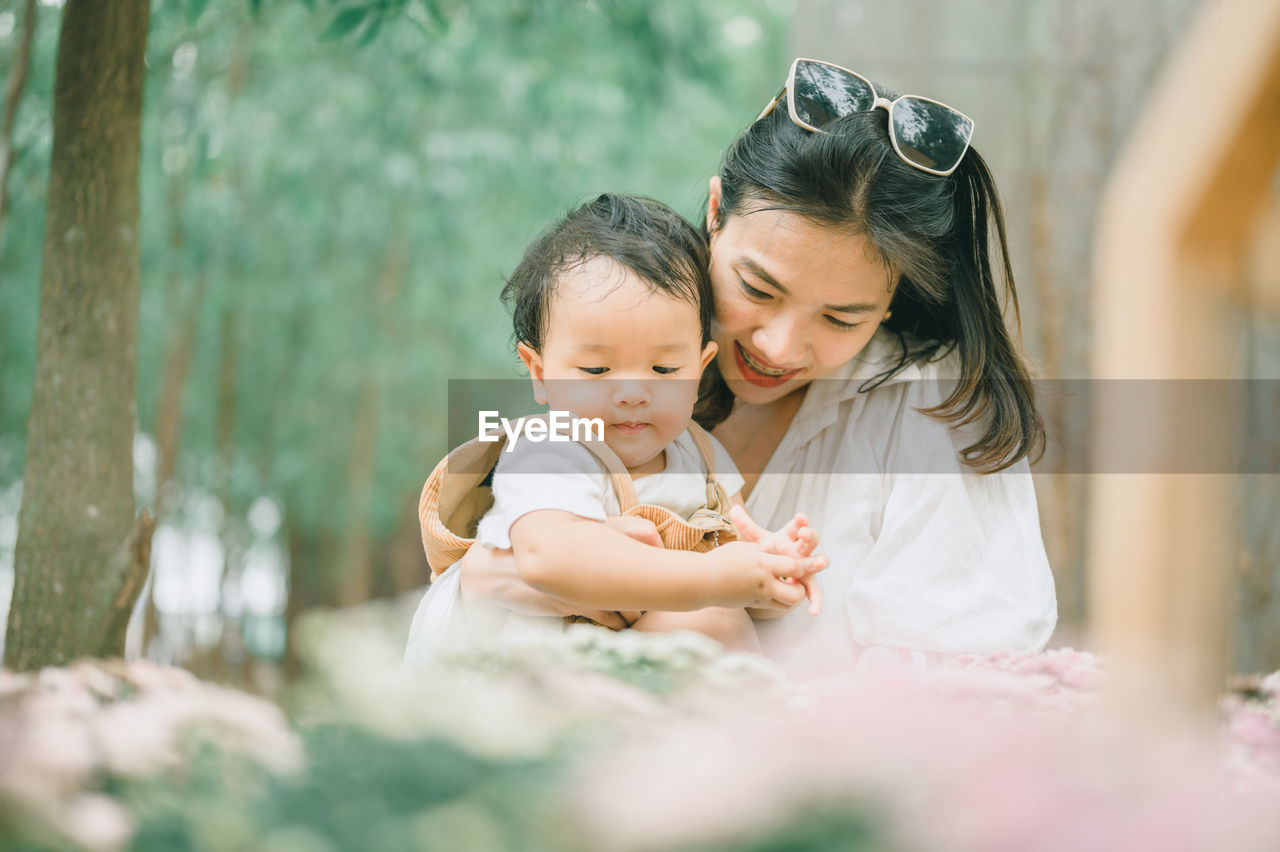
(332, 194)
(195, 10)
(360, 791)
(23, 234)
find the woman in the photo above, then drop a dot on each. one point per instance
(865, 377)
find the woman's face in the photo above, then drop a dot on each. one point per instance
(794, 300)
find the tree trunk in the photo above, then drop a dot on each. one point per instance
(356, 565)
(80, 559)
(406, 561)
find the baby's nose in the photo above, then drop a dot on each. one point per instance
(629, 392)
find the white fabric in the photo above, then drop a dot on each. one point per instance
(925, 555)
(567, 476)
(546, 475)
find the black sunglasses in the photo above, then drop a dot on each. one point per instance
(925, 133)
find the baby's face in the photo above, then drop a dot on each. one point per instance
(618, 350)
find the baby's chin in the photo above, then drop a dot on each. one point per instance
(641, 464)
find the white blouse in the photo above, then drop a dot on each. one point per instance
(926, 555)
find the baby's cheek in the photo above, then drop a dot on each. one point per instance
(582, 399)
(672, 414)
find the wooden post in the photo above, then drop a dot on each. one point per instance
(1175, 232)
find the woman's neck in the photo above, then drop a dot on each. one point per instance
(752, 433)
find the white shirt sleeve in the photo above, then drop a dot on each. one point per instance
(536, 475)
(926, 555)
(943, 577)
(959, 563)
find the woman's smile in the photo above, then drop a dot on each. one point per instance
(756, 370)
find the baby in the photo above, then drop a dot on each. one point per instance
(612, 314)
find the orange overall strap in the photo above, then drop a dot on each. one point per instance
(622, 484)
(717, 499)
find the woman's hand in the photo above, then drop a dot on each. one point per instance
(490, 575)
(796, 540)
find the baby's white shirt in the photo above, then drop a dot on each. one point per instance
(565, 475)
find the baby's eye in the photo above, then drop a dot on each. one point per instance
(752, 292)
(594, 371)
(665, 371)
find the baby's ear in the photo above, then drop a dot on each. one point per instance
(533, 362)
(708, 352)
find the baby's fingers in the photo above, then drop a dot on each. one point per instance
(807, 541)
(814, 593)
(794, 526)
(779, 565)
(805, 566)
(748, 529)
(786, 594)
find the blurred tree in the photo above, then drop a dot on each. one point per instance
(80, 558)
(328, 212)
(17, 84)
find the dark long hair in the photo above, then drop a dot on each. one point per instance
(934, 232)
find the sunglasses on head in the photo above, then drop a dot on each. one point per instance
(926, 134)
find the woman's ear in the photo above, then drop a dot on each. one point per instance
(533, 362)
(708, 352)
(713, 204)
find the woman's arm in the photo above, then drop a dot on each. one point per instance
(958, 567)
(943, 558)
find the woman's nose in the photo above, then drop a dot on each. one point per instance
(781, 340)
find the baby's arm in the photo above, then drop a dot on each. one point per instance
(584, 561)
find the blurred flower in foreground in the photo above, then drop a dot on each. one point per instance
(1003, 752)
(63, 730)
(590, 739)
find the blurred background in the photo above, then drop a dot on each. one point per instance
(333, 191)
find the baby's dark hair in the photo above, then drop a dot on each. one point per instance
(640, 234)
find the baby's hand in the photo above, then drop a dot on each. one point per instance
(796, 540)
(743, 574)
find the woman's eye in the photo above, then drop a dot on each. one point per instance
(665, 371)
(840, 324)
(594, 371)
(752, 292)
